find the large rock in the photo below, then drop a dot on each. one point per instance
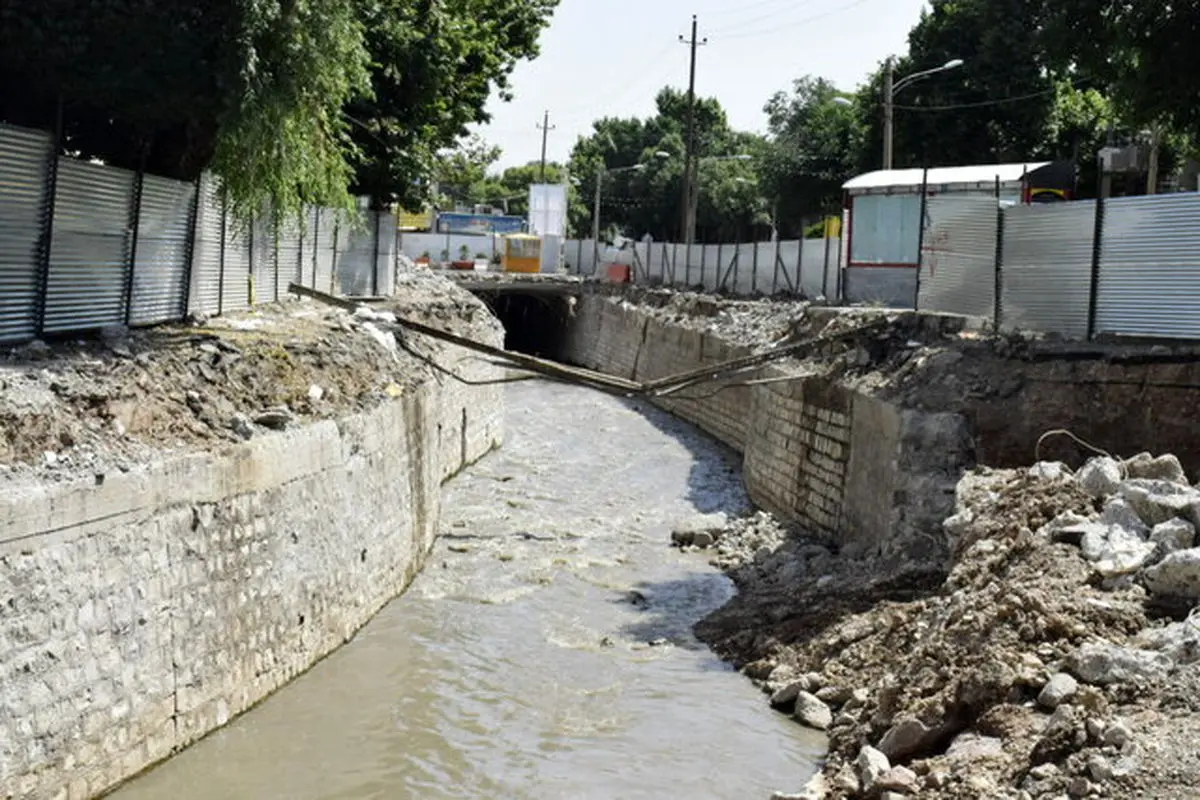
(1172, 535)
(1104, 663)
(907, 737)
(973, 747)
(1159, 501)
(1179, 641)
(1116, 549)
(1100, 477)
(812, 712)
(1119, 511)
(901, 780)
(1163, 468)
(872, 765)
(1058, 690)
(1177, 575)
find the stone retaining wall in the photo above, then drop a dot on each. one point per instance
(867, 474)
(140, 611)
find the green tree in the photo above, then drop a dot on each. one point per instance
(649, 200)
(992, 109)
(815, 147)
(438, 62)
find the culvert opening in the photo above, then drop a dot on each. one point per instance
(533, 324)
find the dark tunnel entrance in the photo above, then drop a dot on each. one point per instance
(533, 324)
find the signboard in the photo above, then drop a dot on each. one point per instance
(548, 209)
(478, 224)
(414, 220)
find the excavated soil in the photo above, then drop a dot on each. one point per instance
(960, 656)
(76, 407)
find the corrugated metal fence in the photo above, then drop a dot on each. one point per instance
(84, 246)
(806, 267)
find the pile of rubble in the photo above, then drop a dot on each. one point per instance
(1054, 656)
(91, 405)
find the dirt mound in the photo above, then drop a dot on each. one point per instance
(72, 408)
(1019, 672)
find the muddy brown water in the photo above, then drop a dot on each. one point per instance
(545, 652)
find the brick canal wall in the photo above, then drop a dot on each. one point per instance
(865, 473)
(140, 613)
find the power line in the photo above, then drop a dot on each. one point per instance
(982, 103)
(743, 24)
(792, 26)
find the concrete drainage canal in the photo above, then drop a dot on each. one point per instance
(545, 652)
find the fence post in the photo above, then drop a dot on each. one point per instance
(46, 243)
(221, 259)
(1097, 244)
(135, 224)
(998, 310)
(316, 244)
(190, 249)
(825, 262)
(754, 270)
(275, 247)
(775, 273)
(337, 228)
(921, 237)
(375, 256)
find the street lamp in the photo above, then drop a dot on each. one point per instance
(890, 87)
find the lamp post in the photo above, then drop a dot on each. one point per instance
(890, 88)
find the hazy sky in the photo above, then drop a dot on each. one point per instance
(610, 57)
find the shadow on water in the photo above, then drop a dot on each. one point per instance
(670, 609)
(709, 478)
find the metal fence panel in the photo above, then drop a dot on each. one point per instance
(328, 232)
(812, 267)
(291, 253)
(740, 281)
(893, 287)
(206, 250)
(235, 288)
(262, 259)
(1149, 282)
(89, 251)
(1047, 267)
(24, 156)
(160, 265)
(958, 256)
(789, 263)
(764, 272)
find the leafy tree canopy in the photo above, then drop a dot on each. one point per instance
(289, 101)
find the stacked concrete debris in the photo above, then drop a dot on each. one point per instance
(1057, 657)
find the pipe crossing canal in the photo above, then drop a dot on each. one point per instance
(545, 651)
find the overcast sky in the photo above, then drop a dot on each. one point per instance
(610, 57)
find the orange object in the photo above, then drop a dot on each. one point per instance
(619, 273)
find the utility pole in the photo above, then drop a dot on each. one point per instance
(889, 110)
(546, 127)
(689, 158)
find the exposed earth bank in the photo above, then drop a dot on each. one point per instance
(1051, 655)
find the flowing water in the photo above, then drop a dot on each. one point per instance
(546, 650)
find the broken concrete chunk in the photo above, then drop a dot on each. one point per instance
(1117, 735)
(872, 765)
(1179, 641)
(1158, 501)
(787, 695)
(1163, 468)
(1103, 663)
(812, 713)
(241, 426)
(1177, 575)
(1061, 688)
(1049, 471)
(972, 747)
(1172, 535)
(1119, 511)
(899, 779)
(1067, 527)
(1100, 476)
